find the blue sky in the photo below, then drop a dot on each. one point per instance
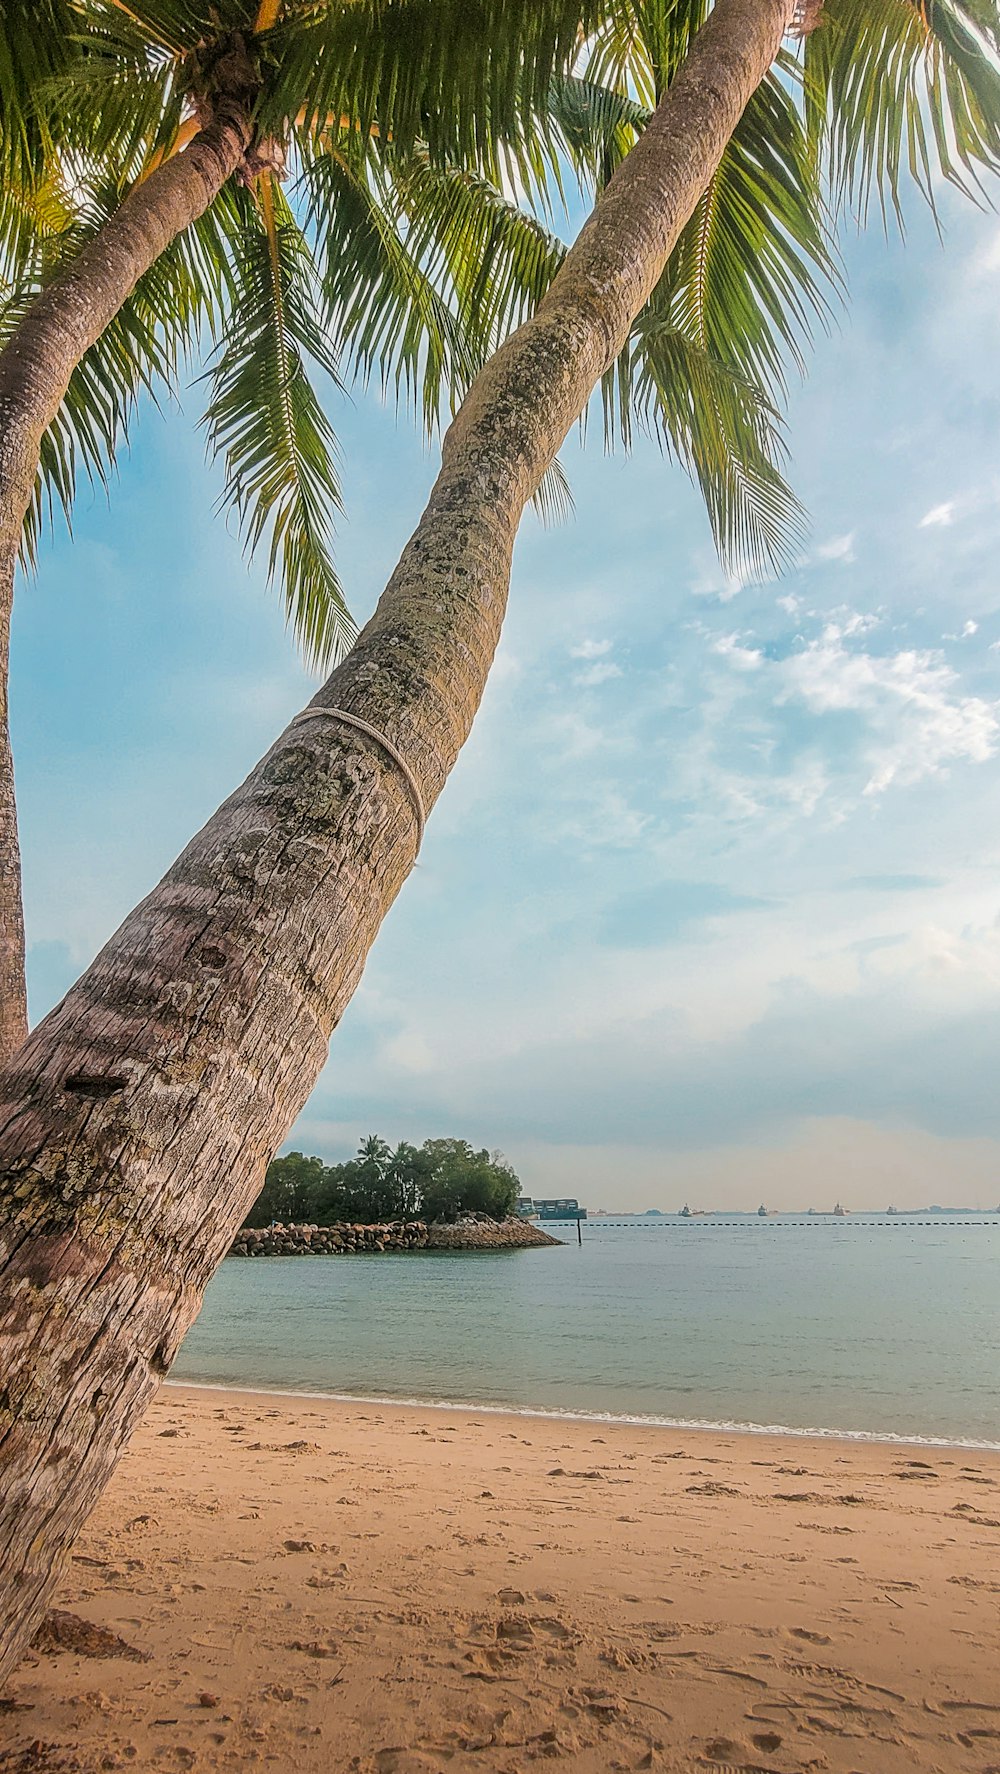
(710, 908)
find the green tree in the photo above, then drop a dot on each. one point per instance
(333, 1200)
(408, 1171)
(461, 1180)
(438, 1181)
(375, 1186)
(290, 1186)
(139, 1113)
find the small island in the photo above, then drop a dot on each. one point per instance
(443, 1195)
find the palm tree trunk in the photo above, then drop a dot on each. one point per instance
(138, 1118)
(35, 369)
(13, 988)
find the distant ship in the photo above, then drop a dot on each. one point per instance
(762, 1212)
(565, 1208)
(839, 1213)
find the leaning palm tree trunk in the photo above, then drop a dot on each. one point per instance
(35, 369)
(138, 1118)
(13, 988)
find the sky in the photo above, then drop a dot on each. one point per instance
(710, 908)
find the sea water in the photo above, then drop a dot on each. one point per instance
(862, 1326)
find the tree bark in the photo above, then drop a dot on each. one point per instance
(13, 987)
(35, 369)
(137, 1120)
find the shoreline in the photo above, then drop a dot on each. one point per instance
(553, 1414)
(343, 1588)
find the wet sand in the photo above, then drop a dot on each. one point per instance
(318, 1587)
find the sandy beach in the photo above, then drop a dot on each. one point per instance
(322, 1587)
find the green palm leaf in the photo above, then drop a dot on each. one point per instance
(459, 76)
(727, 433)
(896, 88)
(382, 306)
(638, 45)
(142, 350)
(493, 260)
(426, 271)
(36, 45)
(265, 419)
(597, 126)
(752, 272)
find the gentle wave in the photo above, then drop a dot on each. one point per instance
(696, 1425)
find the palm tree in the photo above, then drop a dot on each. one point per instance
(143, 152)
(414, 264)
(139, 1116)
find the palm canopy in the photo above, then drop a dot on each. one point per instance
(373, 231)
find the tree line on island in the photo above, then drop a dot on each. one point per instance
(436, 1181)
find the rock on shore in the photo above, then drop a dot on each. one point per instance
(476, 1231)
(473, 1232)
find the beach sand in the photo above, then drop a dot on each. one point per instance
(320, 1586)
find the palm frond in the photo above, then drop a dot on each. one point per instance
(755, 267)
(637, 46)
(382, 306)
(36, 46)
(706, 365)
(597, 126)
(174, 25)
(266, 421)
(726, 432)
(35, 212)
(898, 88)
(553, 497)
(122, 97)
(426, 270)
(155, 333)
(460, 76)
(494, 261)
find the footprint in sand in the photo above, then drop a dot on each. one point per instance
(811, 1638)
(404, 1761)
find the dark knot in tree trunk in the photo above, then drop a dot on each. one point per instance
(266, 156)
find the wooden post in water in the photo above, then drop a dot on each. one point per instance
(579, 1230)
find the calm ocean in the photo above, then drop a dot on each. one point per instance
(861, 1326)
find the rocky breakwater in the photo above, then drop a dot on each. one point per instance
(477, 1231)
(327, 1241)
(473, 1232)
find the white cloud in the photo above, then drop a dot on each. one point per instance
(590, 649)
(567, 736)
(919, 719)
(850, 622)
(410, 1052)
(601, 673)
(730, 648)
(610, 822)
(939, 516)
(839, 548)
(970, 628)
(712, 582)
(986, 262)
